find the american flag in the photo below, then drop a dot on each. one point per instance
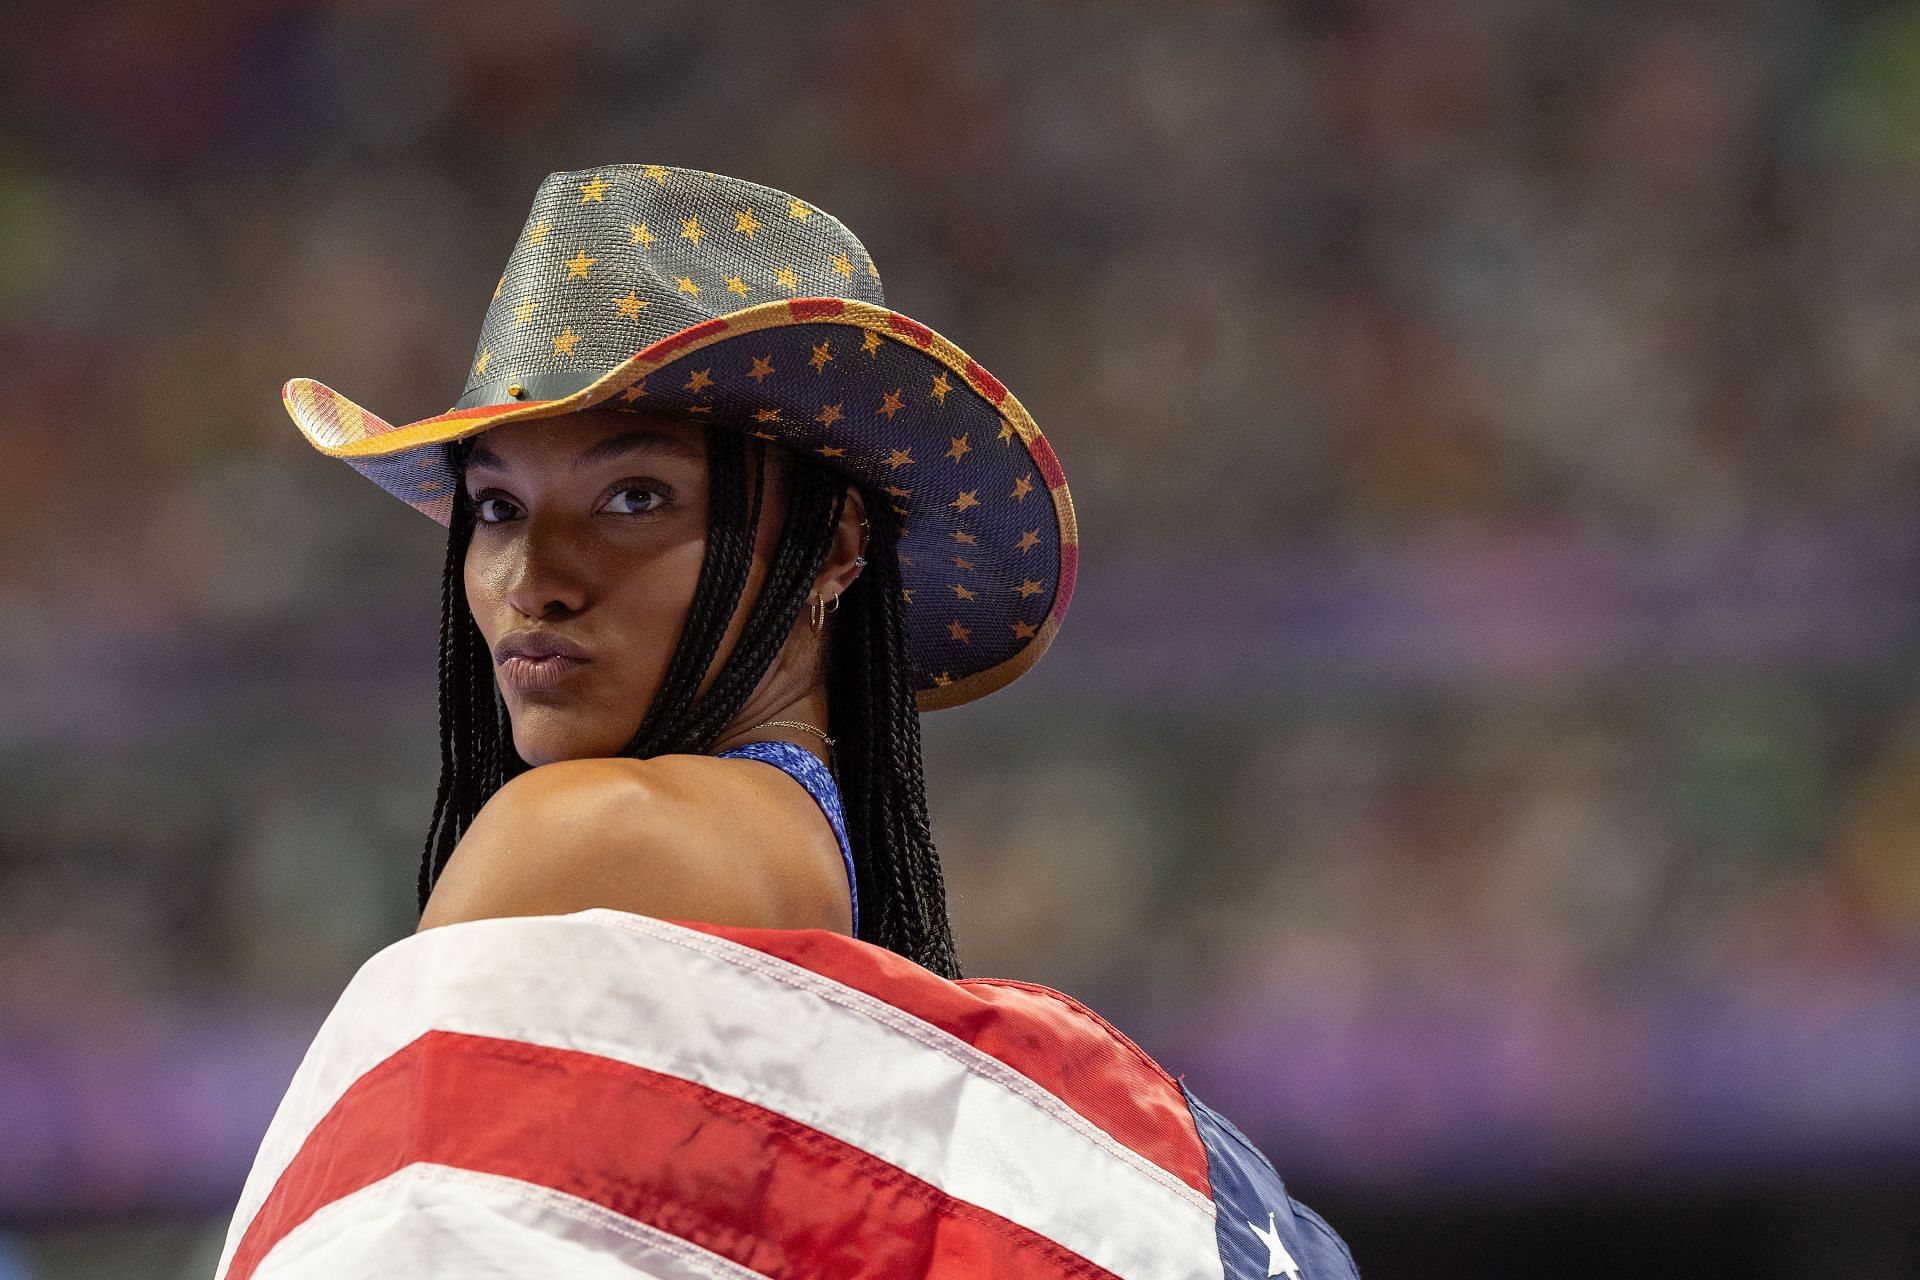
(604, 1094)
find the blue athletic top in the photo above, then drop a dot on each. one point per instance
(805, 768)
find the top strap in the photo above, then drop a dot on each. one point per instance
(805, 768)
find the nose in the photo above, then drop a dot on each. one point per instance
(546, 572)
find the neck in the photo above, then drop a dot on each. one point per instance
(810, 707)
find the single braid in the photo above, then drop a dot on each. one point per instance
(449, 770)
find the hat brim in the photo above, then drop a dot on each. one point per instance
(950, 668)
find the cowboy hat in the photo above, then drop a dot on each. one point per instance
(693, 294)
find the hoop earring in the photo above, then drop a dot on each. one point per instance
(817, 613)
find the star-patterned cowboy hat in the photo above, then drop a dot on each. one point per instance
(694, 294)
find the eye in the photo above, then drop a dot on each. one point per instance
(480, 505)
(658, 494)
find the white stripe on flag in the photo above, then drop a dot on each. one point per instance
(738, 1021)
(432, 1220)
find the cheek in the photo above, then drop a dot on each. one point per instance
(486, 575)
(487, 582)
(483, 600)
(641, 616)
(651, 595)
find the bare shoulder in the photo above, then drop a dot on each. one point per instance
(680, 837)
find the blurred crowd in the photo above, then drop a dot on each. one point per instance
(1285, 284)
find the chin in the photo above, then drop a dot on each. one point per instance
(543, 736)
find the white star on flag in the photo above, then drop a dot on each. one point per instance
(1279, 1261)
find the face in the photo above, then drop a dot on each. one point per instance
(591, 527)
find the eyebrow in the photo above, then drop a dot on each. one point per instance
(611, 447)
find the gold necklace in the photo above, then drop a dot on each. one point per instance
(791, 724)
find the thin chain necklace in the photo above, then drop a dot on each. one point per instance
(791, 724)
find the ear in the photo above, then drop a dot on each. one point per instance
(850, 539)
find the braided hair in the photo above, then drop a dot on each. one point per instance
(871, 710)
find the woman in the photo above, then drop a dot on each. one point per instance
(674, 813)
(756, 313)
(666, 1011)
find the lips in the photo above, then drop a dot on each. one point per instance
(537, 644)
(530, 675)
(535, 660)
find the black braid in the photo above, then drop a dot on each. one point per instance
(814, 498)
(449, 768)
(474, 749)
(723, 576)
(872, 713)
(873, 717)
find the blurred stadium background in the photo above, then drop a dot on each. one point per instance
(1482, 753)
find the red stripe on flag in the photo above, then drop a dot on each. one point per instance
(737, 1179)
(1056, 1042)
(674, 341)
(916, 332)
(814, 308)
